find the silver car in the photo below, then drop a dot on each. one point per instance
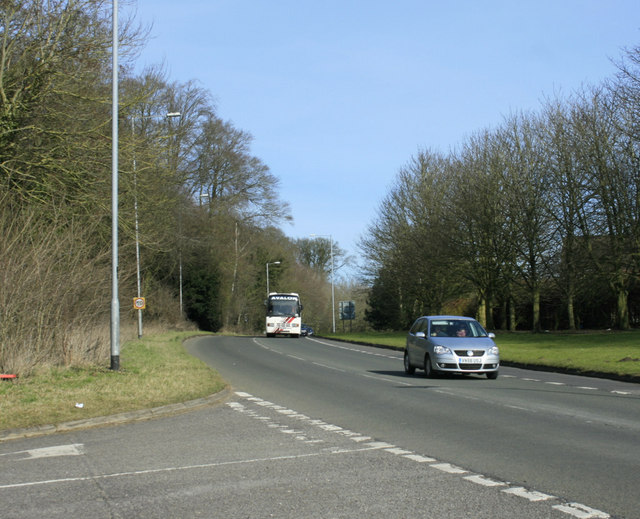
(450, 344)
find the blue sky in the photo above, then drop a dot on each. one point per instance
(340, 94)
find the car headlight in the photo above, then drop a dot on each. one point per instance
(493, 351)
(441, 350)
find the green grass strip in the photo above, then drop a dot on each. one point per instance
(154, 371)
(613, 352)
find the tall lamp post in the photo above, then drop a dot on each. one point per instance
(115, 300)
(333, 298)
(272, 263)
(135, 206)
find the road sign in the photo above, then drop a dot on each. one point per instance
(139, 303)
(347, 310)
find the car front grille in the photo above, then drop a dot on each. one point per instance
(470, 367)
(463, 353)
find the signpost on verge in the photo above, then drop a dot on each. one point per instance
(139, 303)
(347, 312)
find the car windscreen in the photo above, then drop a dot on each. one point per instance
(456, 328)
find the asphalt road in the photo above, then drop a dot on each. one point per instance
(313, 428)
(572, 437)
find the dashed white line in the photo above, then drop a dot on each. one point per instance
(337, 346)
(581, 511)
(484, 481)
(419, 458)
(531, 495)
(329, 427)
(451, 469)
(519, 408)
(575, 509)
(328, 367)
(381, 445)
(398, 451)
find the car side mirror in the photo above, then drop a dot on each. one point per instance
(420, 335)
(491, 335)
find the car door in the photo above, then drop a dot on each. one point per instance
(422, 343)
(416, 345)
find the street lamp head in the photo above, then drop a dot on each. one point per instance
(174, 114)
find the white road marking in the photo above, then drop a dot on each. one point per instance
(328, 367)
(380, 445)
(359, 439)
(531, 495)
(484, 481)
(581, 511)
(340, 347)
(575, 509)
(447, 467)
(329, 427)
(159, 471)
(74, 449)
(519, 408)
(398, 451)
(419, 459)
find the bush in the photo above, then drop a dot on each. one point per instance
(54, 302)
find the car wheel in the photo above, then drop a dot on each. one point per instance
(408, 368)
(492, 375)
(428, 368)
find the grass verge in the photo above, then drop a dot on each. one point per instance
(609, 352)
(154, 371)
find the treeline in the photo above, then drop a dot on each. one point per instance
(203, 210)
(533, 225)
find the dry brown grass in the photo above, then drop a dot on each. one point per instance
(51, 307)
(155, 370)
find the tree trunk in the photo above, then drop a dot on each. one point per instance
(623, 310)
(536, 309)
(482, 310)
(512, 315)
(570, 313)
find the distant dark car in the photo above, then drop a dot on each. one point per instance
(450, 344)
(306, 330)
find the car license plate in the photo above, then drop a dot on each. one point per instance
(470, 360)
